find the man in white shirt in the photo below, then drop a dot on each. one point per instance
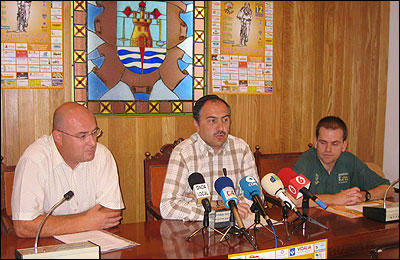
(69, 159)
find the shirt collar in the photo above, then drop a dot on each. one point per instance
(205, 148)
(56, 156)
(322, 168)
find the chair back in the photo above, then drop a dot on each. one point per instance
(155, 169)
(272, 163)
(7, 180)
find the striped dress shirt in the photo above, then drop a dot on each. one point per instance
(194, 155)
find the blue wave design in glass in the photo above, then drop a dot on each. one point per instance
(139, 70)
(151, 53)
(125, 52)
(146, 53)
(151, 60)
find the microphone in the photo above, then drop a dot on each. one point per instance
(251, 191)
(274, 187)
(383, 213)
(201, 191)
(224, 186)
(297, 184)
(87, 250)
(67, 196)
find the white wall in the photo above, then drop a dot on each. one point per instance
(391, 146)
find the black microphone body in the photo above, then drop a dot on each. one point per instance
(67, 196)
(206, 204)
(308, 193)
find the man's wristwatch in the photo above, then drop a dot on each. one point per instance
(367, 195)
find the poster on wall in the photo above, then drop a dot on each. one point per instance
(241, 43)
(32, 45)
(138, 57)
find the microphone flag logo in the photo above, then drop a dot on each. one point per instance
(273, 178)
(301, 180)
(296, 183)
(292, 190)
(201, 190)
(251, 181)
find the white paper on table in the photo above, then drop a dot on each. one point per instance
(107, 241)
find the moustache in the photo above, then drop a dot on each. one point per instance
(220, 133)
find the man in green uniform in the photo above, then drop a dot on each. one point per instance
(338, 176)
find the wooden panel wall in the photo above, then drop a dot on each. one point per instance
(330, 59)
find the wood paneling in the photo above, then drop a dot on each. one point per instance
(330, 59)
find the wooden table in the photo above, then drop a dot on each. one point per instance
(347, 238)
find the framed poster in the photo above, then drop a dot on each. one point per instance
(139, 57)
(241, 44)
(32, 49)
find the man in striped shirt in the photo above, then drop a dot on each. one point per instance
(208, 151)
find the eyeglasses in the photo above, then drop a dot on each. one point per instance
(96, 132)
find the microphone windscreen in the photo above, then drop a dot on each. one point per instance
(250, 187)
(286, 174)
(195, 178)
(68, 195)
(271, 184)
(223, 182)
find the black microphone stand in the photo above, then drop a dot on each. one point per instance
(255, 209)
(236, 230)
(206, 222)
(285, 214)
(231, 228)
(305, 217)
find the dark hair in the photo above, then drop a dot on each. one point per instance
(332, 122)
(200, 103)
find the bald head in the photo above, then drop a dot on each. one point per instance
(73, 128)
(68, 111)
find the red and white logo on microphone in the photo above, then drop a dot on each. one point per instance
(296, 183)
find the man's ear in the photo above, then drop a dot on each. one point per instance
(344, 145)
(57, 136)
(196, 125)
(315, 142)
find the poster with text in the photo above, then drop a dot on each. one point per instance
(241, 47)
(32, 44)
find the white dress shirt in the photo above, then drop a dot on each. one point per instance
(42, 178)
